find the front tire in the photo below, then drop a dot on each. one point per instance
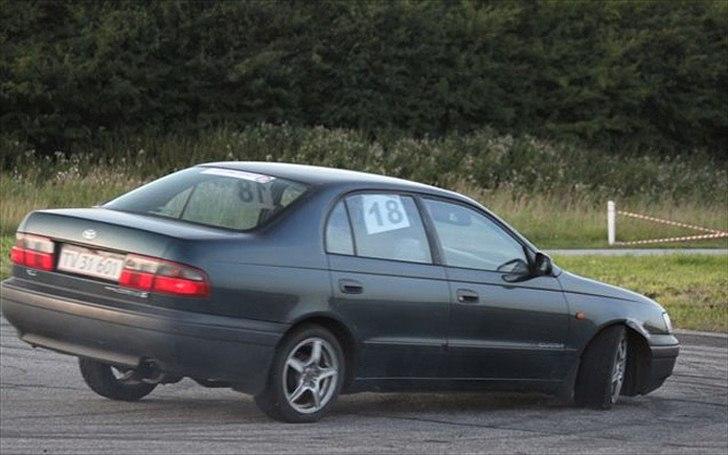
(112, 382)
(602, 370)
(305, 378)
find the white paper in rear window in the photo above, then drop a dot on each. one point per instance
(253, 177)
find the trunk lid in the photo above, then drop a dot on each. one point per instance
(113, 232)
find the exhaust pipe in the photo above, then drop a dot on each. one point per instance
(151, 373)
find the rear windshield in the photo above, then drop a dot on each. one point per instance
(218, 197)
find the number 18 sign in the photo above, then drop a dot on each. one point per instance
(383, 213)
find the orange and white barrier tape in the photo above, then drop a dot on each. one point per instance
(675, 239)
(671, 223)
(612, 231)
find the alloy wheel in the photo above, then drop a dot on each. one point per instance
(618, 369)
(310, 375)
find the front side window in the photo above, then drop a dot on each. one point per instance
(217, 197)
(471, 240)
(388, 226)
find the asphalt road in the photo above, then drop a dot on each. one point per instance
(46, 408)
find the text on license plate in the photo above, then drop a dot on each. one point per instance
(83, 261)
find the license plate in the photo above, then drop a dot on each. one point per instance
(98, 264)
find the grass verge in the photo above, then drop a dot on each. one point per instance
(6, 241)
(550, 221)
(692, 288)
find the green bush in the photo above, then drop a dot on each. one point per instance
(618, 76)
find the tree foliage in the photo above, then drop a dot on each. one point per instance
(623, 76)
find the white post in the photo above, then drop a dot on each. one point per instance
(611, 223)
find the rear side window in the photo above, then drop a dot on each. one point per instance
(388, 226)
(217, 197)
(338, 232)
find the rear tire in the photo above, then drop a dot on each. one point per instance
(309, 361)
(126, 386)
(602, 370)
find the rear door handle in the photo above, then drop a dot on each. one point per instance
(351, 287)
(467, 296)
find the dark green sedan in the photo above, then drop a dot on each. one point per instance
(297, 283)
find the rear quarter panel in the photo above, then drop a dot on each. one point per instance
(277, 274)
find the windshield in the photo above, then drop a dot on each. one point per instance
(218, 197)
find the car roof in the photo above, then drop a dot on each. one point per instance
(332, 177)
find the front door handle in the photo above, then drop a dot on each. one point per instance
(467, 296)
(351, 287)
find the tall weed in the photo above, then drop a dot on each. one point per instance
(555, 193)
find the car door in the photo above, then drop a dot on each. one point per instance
(504, 323)
(386, 285)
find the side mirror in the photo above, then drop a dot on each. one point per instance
(542, 264)
(515, 271)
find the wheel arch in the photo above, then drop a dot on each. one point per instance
(632, 326)
(342, 332)
(639, 358)
(638, 354)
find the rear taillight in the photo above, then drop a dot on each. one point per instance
(33, 251)
(159, 275)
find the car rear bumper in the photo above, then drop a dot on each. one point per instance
(238, 351)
